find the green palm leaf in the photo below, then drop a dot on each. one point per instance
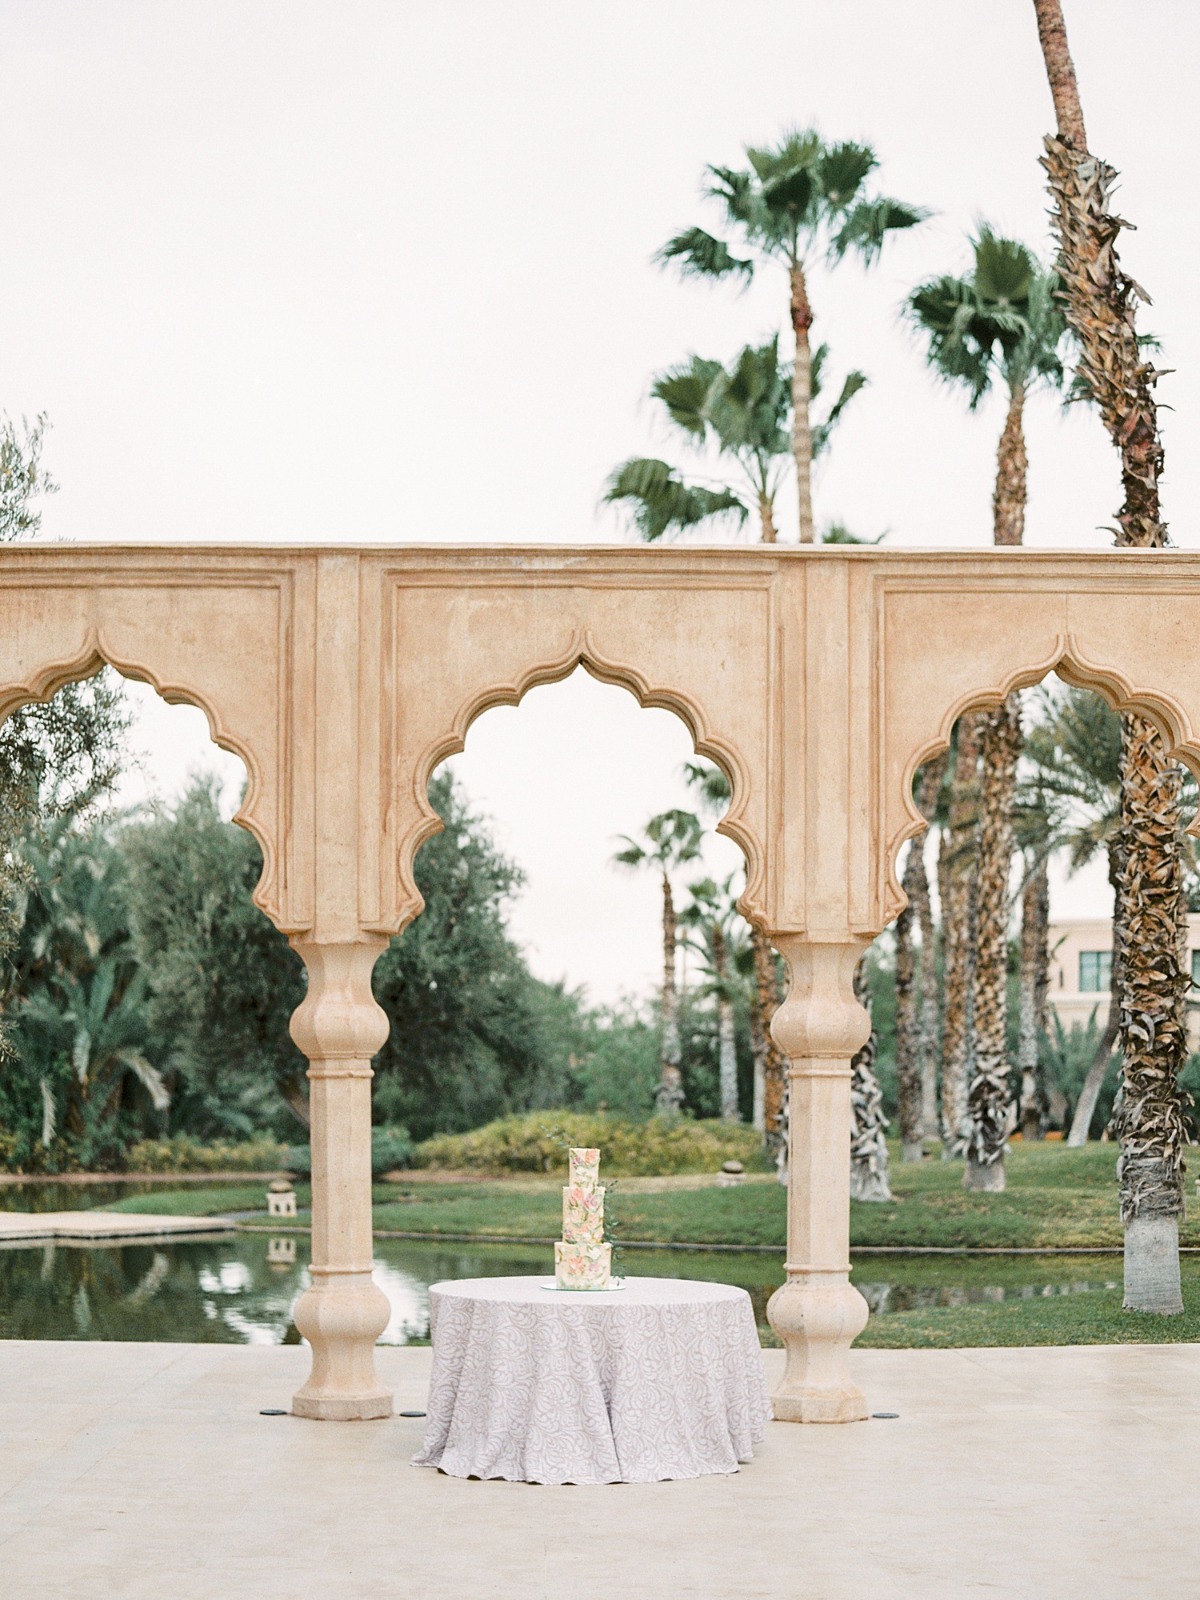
(661, 502)
(700, 255)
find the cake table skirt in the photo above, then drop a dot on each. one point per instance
(662, 1378)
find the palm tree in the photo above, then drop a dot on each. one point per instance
(998, 321)
(742, 412)
(712, 786)
(73, 991)
(798, 201)
(1037, 821)
(1075, 752)
(669, 840)
(868, 1142)
(1101, 306)
(956, 875)
(711, 914)
(916, 1009)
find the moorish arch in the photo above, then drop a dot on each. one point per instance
(818, 679)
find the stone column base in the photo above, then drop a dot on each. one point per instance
(341, 1316)
(818, 1318)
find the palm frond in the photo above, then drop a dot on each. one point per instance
(867, 225)
(700, 255)
(853, 384)
(684, 390)
(148, 1076)
(661, 502)
(843, 169)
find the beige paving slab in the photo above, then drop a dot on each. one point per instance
(1009, 1473)
(27, 1227)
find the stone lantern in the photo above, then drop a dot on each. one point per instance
(731, 1173)
(281, 1198)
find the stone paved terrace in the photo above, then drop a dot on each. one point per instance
(144, 1471)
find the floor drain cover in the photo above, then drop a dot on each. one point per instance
(272, 1411)
(885, 1416)
(410, 1413)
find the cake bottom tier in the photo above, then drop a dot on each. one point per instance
(582, 1266)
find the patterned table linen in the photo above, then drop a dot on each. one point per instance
(660, 1379)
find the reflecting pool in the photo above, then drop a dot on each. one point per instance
(240, 1289)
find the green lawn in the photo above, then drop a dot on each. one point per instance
(1056, 1198)
(1070, 1304)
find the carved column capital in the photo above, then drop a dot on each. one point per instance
(820, 1022)
(339, 1020)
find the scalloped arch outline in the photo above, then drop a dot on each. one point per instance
(582, 651)
(1069, 661)
(44, 683)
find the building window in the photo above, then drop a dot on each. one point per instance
(1196, 968)
(1095, 970)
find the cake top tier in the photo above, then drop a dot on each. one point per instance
(585, 1167)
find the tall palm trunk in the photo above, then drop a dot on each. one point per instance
(928, 790)
(868, 1145)
(1150, 1118)
(989, 1100)
(726, 1038)
(908, 1028)
(959, 846)
(766, 986)
(766, 514)
(1085, 1108)
(758, 1057)
(1101, 306)
(801, 400)
(916, 1008)
(669, 1094)
(1012, 473)
(1101, 302)
(1034, 980)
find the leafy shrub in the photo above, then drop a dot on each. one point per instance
(183, 1154)
(390, 1147)
(657, 1147)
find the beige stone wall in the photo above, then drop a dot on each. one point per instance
(817, 678)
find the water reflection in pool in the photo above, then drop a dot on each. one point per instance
(241, 1289)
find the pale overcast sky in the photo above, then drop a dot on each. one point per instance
(382, 271)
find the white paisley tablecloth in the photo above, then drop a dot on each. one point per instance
(662, 1378)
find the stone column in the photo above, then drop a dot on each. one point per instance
(817, 1313)
(340, 1027)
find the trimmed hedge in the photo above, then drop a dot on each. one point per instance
(390, 1148)
(184, 1154)
(536, 1141)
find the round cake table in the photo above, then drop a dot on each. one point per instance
(658, 1378)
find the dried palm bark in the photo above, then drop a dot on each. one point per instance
(908, 1028)
(957, 869)
(1150, 1118)
(668, 1097)
(868, 1144)
(989, 1100)
(1034, 981)
(1012, 473)
(932, 775)
(916, 1006)
(766, 988)
(1101, 303)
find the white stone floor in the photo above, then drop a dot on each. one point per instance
(145, 1472)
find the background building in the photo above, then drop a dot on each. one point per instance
(1081, 971)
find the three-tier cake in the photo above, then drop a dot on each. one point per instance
(582, 1260)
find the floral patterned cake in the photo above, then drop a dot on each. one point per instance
(581, 1258)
